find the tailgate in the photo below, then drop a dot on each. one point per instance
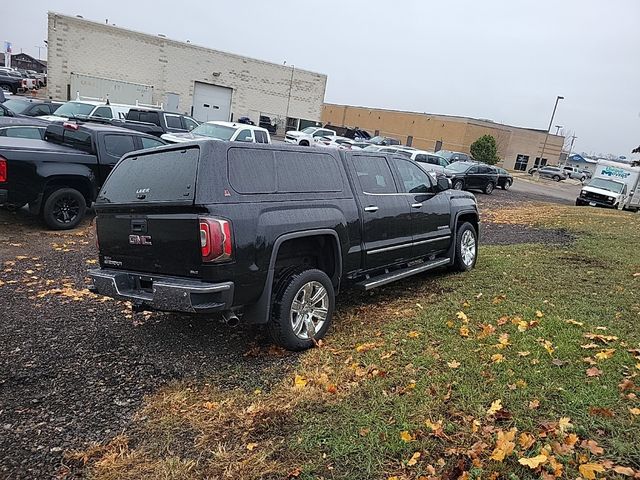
(146, 218)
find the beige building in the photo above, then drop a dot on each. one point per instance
(98, 59)
(518, 148)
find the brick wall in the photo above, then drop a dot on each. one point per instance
(92, 48)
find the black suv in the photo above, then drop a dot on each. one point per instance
(472, 176)
(31, 107)
(270, 233)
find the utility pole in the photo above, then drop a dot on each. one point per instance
(573, 139)
(39, 48)
(546, 137)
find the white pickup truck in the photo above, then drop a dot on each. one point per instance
(614, 185)
(307, 136)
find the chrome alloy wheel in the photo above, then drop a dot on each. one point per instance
(468, 248)
(309, 310)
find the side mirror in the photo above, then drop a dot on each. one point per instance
(444, 183)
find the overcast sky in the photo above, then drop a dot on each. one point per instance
(503, 60)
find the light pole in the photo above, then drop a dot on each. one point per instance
(39, 47)
(546, 137)
(286, 120)
(573, 139)
(558, 127)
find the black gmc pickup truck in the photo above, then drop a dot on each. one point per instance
(270, 233)
(61, 175)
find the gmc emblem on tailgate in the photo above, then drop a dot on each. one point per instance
(140, 239)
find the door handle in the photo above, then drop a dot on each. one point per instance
(372, 208)
(416, 205)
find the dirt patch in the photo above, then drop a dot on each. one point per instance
(510, 234)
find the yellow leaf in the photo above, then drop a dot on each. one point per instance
(497, 358)
(251, 446)
(526, 441)
(394, 477)
(364, 347)
(548, 346)
(209, 405)
(299, 382)
(462, 316)
(635, 411)
(638, 366)
(522, 326)
(413, 334)
(405, 436)
(539, 314)
(414, 459)
(564, 424)
(453, 364)
(573, 322)
(504, 445)
(524, 354)
(464, 331)
(533, 462)
(589, 470)
(495, 407)
(533, 404)
(604, 354)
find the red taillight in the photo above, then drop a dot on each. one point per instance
(3, 170)
(215, 240)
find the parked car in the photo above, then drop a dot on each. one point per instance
(81, 109)
(11, 83)
(230, 232)
(386, 141)
(267, 123)
(452, 157)
(168, 122)
(575, 173)
(246, 121)
(23, 131)
(31, 107)
(333, 141)
(229, 131)
(587, 173)
(356, 134)
(60, 176)
(306, 136)
(505, 179)
(430, 161)
(472, 176)
(555, 173)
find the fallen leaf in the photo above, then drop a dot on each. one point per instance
(299, 382)
(364, 432)
(559, 363)
(564, 424)
(627, 471)
(331, 388)
(209, 405)
(499, 299)
(533, 462)
(601, 412)
(539, 314)
(405, 436)
(592, 446)
(604, 354)
(573, 322)
(364, 347)
(533, 404)
(414, 459)
(413, 334)
(390, 354)
(453, 364)
(589, 470)
(251, 446)
(495, 407)
(522, 326)
(464, 331)
(462, 316)
(503, 320)
(526, 441)
(497, 358)
(524, 354)
(634, 411)
(548, 346)
(504, 445)
(594, 372)
(602, 338)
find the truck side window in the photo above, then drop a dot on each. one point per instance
(173, 121)
(118, 145)
(244, 136)
(414, 179)
(374, 175)
(150, 142)
(189, 123)
(102, 112)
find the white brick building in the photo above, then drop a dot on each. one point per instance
(171, 72)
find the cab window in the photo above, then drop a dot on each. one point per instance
(413, 178)
(244, 136)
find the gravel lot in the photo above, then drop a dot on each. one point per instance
(73, 368)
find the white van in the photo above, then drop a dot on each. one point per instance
(614, 185)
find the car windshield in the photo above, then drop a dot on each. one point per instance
(16, 106)
(605, 184)
(371, 148)
(221, 132)
(309, 130)
(377, 140)
(445, 154)
(73, 109)
(458, 167)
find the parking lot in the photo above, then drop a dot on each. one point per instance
(75, 367)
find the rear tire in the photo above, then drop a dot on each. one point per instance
(302, 309)
(488, 188)
(556, 178)
(64, 209)
(466, 252)
(458, 185)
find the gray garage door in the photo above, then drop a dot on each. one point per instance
(211, 102)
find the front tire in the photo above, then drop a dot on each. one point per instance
(466, 252)
(556, 178)
(302, 309)
(304, 143)
(64, 209)
(507, 185)
(488, 188)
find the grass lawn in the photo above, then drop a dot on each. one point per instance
(525, 367)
